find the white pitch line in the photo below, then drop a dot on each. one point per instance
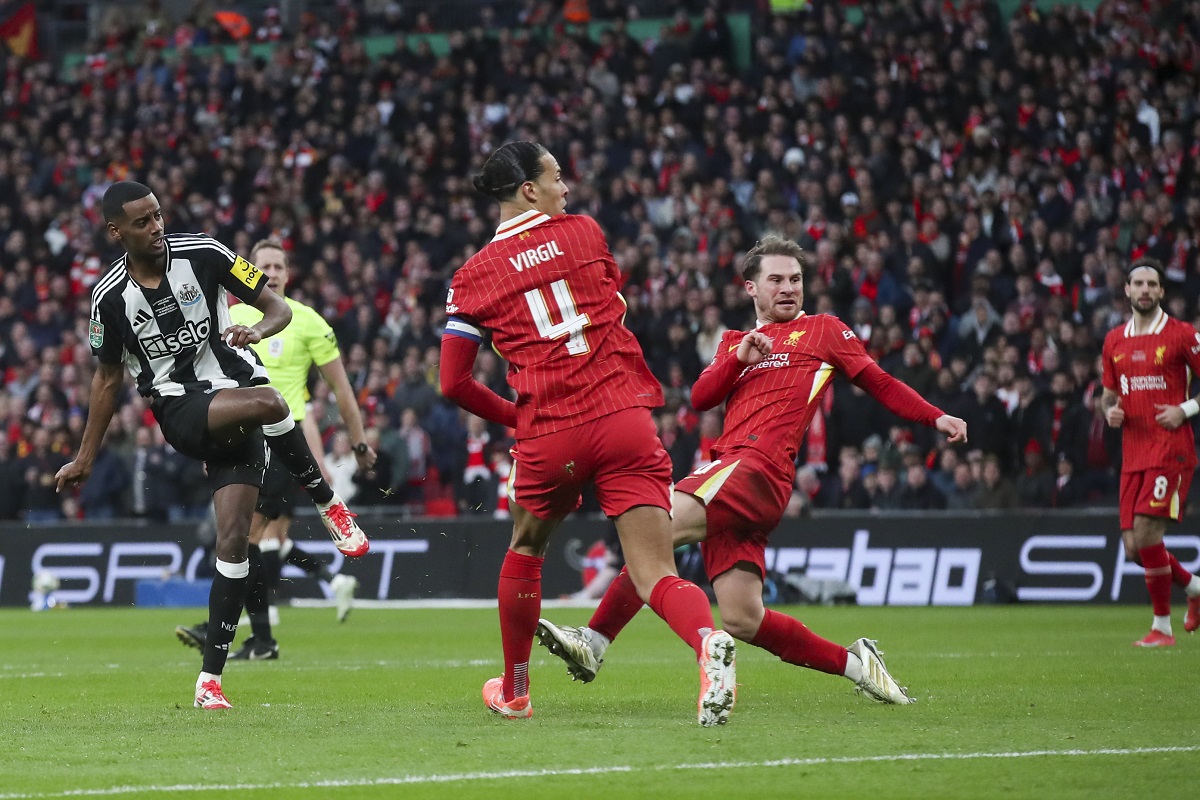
(32, 674)
(294, 667)
(436, 604)
(996, 654)
(463, 777)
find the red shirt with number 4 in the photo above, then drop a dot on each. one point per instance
(548, 290)
(1146, 371)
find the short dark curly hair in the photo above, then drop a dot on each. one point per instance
(117, 195)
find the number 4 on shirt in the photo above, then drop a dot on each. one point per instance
(572, 324)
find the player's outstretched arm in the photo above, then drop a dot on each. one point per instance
(902, 400)
(459, 384)
(106, 388)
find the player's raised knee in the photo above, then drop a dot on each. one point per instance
(270, 404)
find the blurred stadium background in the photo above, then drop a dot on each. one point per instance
(970, 179)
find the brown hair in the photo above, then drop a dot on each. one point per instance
(1146, 262)
(264, 243)
(770, 245)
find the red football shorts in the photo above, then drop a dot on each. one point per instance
(1154, 493)
(744, 495)
(619, 453)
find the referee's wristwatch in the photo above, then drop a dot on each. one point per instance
(361, 448)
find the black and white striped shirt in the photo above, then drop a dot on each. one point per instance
(170, 337)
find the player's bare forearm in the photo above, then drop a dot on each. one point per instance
(1108, 399)
(276, 314)
(334, 374)
(102, 404)
(1110, 408)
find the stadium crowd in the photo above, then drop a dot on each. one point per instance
(969, 188)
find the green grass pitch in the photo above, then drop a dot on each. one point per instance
(1012, 702)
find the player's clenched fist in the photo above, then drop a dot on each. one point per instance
(954, 428)
(754, 348)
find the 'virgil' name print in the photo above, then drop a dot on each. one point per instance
(528, 259)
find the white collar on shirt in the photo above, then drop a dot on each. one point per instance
(1156, 326)
(519, 224)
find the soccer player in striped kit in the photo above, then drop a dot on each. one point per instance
(546, 287)
(772, 380)
(287, 356)
(1148, 364)
(162, 312)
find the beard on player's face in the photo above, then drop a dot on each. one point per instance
(777, 289)
(1145, 293)
(1145, 304)
(777, 308)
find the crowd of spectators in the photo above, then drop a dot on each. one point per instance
(970, 189)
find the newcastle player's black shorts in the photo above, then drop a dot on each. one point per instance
(236, 457)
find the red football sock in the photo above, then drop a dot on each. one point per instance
(684, 606)
(520, 596)
(1157, 562)
(1179, 575)
(618, 606)
(793, 642)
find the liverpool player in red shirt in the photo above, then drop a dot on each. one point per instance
(546, 288)
(1148, 363)
(772, 380)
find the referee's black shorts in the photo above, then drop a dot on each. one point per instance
(184, 423)
(275, 498)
